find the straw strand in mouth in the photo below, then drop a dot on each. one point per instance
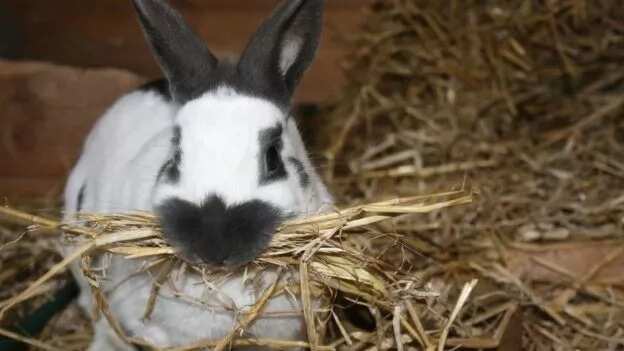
(321, 243)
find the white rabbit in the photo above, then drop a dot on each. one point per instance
(213, 150)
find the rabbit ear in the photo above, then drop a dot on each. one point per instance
(183, 57)
(283, 47)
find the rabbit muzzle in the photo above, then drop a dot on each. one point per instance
(218, 234)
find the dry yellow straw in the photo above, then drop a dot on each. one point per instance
(318, 247)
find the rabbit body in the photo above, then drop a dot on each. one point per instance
(116, 173)
(218, 157)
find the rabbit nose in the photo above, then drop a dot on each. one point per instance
(217, 234)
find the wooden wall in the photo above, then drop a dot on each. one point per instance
(105, 33)
(45, 113)
(46, 110)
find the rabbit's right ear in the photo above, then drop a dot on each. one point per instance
(283, 47)
(183, 57)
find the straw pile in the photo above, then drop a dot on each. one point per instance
(334, 254)
(26, 253)
(524, 99)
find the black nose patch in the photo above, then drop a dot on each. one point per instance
(218, 234)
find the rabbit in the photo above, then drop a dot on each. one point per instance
(213, 150)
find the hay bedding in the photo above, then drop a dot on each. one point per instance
(332, 253)
(524, 99)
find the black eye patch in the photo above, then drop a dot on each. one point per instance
(270, 159)
(171, 169)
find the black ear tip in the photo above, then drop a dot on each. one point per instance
(151, 10)
(317, 3)
(139, 4)
(142, 8)
(149, 5)
(314, 4)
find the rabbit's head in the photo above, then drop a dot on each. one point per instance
(237, 166)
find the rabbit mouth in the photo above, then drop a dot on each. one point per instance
(217, 234)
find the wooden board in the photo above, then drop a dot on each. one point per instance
(45, 113)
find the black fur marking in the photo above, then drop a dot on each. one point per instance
(160, 86)
(304, 177)
(218, 234)
(81, 195)
(270, 160)
(171, 169)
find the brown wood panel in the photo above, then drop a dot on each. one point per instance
(105, 33)
(45, 113)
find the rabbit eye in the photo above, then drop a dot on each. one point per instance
(273, 165)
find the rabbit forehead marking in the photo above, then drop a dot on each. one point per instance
(223, 138)
(225, 108)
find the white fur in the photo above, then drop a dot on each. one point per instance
(119, 164)
(220, 133)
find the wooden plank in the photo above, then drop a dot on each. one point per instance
(45, 114)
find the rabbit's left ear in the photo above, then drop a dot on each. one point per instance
(283, 48)
(183, 57)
